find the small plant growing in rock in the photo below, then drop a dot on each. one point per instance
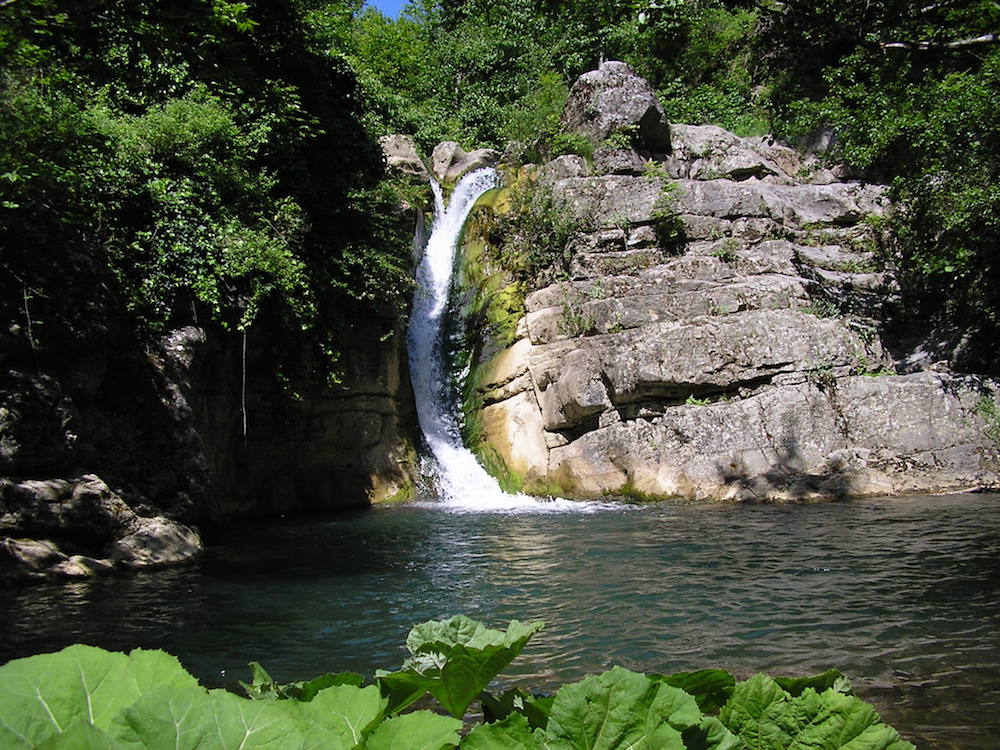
(822, 308)
(988, 409)
(620, 139)
(726, 250)
(666, 216)
(575, 320)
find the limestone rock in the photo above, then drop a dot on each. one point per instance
(35, 555)
(614, 99)
(449, 161)
(567, 165)
(401, 155)
(618, 161)
(722, 331)
(157, 542)
(708, 152)
(861, 436)
(81, 566)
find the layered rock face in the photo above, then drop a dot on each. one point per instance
(110, 462)
(721, 333)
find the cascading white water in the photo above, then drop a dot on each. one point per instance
(462, 482)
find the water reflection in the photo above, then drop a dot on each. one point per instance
(902, 595)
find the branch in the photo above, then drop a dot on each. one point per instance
(956, 44)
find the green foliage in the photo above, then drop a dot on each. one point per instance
(532, 230)
(454, 660)
(989, 412)
(666, 216)
(84, 698)
(909, 97)
(162, 166)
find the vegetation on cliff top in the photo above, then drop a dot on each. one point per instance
(86, 697)
(905, 91)
(209, 159)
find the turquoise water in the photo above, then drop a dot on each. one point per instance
(903, 595)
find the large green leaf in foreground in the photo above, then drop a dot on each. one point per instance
(766, 717)
(454, 660)
(42, 696)
(621, 709)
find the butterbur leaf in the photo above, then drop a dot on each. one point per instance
(263, 686)
(535, 708)
(42, 695)
(419, 730)
(342, 713)
(199, 719)
(766, 717)
(402, 689)
(830, 679)
(513, 733)
(619, 709)
(459, 657)
(711, 734)
(756, 712)
(711, 688)
(80, 735)
(306, 691)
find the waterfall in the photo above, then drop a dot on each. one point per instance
(462, 482)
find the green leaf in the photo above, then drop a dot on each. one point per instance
(420, 730)
(753, 711)
(197, 719)
(711, 688)
(768, 718)
(711, 734)
(620, 709)
(40, 696)
(345, 713)
(535, 708)
(513, 733)
(263, 686)
(401, 689)
(80, 735)
(457, 658)
(830, 679)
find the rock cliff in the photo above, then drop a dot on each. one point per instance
(721, 330)
(113, 454)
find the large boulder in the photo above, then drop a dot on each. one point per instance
(613, 99)
(401, 156)
(449, 161)
(73, 528)
(157, 542)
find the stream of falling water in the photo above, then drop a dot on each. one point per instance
(462, 483)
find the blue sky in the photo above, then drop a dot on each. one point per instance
(389, 8)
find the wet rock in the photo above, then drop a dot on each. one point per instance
(449, 161)
(157, 542)
(34, 555)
